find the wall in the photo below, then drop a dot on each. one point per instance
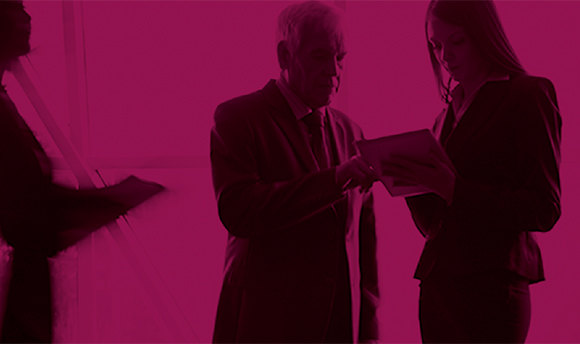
(156, 70)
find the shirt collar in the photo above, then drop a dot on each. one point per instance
(299, 108)
(458, 94)
(460, 104)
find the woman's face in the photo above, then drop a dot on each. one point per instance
(14, 29)
(455, 51)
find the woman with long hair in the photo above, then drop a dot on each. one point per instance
(37, 217)
(501, 130)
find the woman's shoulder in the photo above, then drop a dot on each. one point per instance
(526, 84)
(533, 93)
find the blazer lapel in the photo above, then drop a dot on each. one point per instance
(283, 116)
(340, 151)
(338, 135)
(480, 110)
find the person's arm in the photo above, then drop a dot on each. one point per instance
(86, 210)
(45, 217)
(535, 205)
(247, 204)
(369, 327)
(423, 209)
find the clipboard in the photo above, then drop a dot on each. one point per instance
(416, 145)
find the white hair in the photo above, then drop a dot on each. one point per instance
(296, 20)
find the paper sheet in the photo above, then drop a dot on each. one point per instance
(415, 145)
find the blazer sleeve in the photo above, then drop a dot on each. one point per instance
(424, 208)
(535, 205)
(369, 326)
(33, 210)
(247, 204)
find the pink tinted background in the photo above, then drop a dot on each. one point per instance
(155, 71)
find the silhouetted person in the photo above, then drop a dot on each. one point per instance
(293, 195)
(501, 130)
(37, 217)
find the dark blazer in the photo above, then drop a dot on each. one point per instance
(287, 221)
(506, 149)
(34, 215)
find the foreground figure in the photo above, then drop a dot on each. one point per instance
(293, 195)
(37, 217)
(502, 132)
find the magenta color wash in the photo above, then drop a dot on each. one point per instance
(156, 70)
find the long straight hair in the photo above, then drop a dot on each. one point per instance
(480, 21)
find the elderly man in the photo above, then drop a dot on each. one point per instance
(295, 199)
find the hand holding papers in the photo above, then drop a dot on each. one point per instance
(132, 191)
(355, 172)
(93, 208)
(411, 163)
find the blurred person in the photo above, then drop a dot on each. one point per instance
(37, 217)
(501, 129)
(294, 196)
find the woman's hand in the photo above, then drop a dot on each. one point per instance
(433, 174)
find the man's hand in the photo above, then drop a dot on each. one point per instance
(355, 172)
(433, 174)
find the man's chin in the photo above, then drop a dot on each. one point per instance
(323, 100)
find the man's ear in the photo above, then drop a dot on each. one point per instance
(283, 55)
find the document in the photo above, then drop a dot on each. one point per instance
(414, 145)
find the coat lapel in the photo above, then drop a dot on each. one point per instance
(285, 119)
(340, 139)
(340, 151)
(480, 110)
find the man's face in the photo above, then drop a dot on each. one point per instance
(314, 70)
(14, 30)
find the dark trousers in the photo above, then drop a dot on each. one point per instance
(340, 324)
(484, 307)
(28, 317)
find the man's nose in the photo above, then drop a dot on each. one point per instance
(333, 66)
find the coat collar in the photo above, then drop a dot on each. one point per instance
(288, 123)
(481, 109)
(340, 136)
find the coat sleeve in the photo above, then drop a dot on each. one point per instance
(535, 204)
(247, 204)
(33, 210)
(424, 208)
(369, 326)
